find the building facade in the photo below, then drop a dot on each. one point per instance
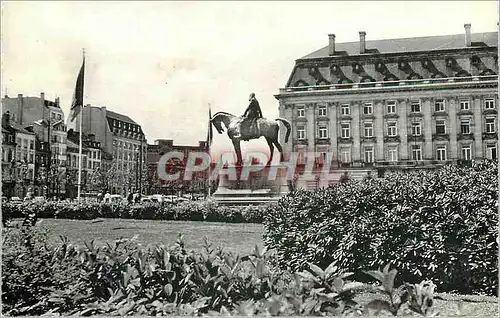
(23, 167)
(45, 119)
(163, 146)
(92, 181)
(395, 104)
(8, 157)
(121, 137)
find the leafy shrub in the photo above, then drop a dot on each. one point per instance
(439, 225)
(126, 279)
(188, 211)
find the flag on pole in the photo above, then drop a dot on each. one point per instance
(77, 103)
(210, 134)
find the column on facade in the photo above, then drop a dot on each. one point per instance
(452, 104)
(311, 127)
(355, 123)
(402, 111)
(478, 127)
(428, 123)
(378, 130)
(332, 131)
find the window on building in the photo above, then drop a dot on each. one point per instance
(465, 126)
(416, 128)
(345, 109)
(391, 107)
(32, 145)
(415, 106)
(322, 111)
(345, 155)
(416, 152)
(464, 105)
(466, 152)
(491, 151)
(369, 154)
(441, 152)
(392, 152)
(345, 130)
(368, 129)
(301, 132)
(368, 108)
(392, 129)
(439, 105)
(440, 126)
(301, 112)
(489, 103)
(323, 132)
(490, 125)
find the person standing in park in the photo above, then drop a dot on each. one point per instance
(130, 197)
(344, 178)
(107, 197)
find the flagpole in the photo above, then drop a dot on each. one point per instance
(210, 158)
(80, 147)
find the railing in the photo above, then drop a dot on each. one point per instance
(384, 84)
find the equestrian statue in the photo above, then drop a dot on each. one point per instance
(251, 126)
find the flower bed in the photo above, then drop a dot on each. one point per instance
(439, 225)
(186, 211)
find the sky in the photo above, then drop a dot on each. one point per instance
(164, 63)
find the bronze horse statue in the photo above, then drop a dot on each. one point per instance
(266, 128)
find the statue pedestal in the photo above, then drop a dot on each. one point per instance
(254, 189)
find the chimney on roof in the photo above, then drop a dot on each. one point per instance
(57, 102)
(42, 96)
(467, 35)
(20, 108)
(362, 42)
(6, 120)
(331, 44)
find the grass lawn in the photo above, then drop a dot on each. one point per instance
(239, 238)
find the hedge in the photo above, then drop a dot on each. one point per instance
(126, 278)
(439, 225)
(187, 211)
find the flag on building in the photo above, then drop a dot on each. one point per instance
(77, 103)
(210, 134)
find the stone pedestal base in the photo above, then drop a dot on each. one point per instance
(256, 189)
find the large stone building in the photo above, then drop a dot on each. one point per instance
(44, 119)
(395, 103)
(163, 146)
(121, 137)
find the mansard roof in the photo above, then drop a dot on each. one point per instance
(402, 45)
(120, 117)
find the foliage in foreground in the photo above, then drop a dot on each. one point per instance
(185, 211)
(438, 225)
(125, 279)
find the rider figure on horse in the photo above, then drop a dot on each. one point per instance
(252, 113)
